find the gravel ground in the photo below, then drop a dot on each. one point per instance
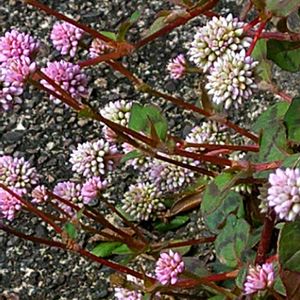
(45, 133)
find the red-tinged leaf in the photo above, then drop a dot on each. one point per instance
(186, 203)
(291, 281)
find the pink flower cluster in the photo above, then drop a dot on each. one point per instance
(284, 193)
(65, 38)
(16, 53)
(91, 188)
(177, 67)
(9, 204)
(69, 77)
(168, 267)
(19, 176)
(259, 278)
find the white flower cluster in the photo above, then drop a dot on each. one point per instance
(142, 201)
(219, 49)
(117, 112)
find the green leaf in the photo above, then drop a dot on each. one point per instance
(273, 143)
(282, 8)
(218, 201)
(131, 155)
(143, 117)
(240, 279)
(232, 241)
(123, 29)
(122, 250)
(173, 224)
(289, 247)
(70, 229)
(193, 265)
(264, 68)
(292, 120)
(292, 161)
(105, 249)
(86, 113)
(285, 54)
(270, 116)
(135, 16)
(156, 25)
(109, 34)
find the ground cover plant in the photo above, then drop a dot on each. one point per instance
(243, 180)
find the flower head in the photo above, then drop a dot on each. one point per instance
(39, 194)
(126, 294)
(259, 278)
(99, 47)
(284, 193)
(177, 67)
(118, 112)
(168, 267)
(18, 173)
(89, 159)
(69, 191)
(16, 71)
(170, 178)
(215, 38)
(231, 79)
(69, 77)
(208, 132)
(65, 37)
(91, 188)
(15, 44)
(9, 204)
(142, 201)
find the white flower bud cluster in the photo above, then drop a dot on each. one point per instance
(219, 48)
(142, 201)
(118, 112)
(88, 159)
(215, 38)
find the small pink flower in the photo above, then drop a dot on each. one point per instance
(69, 191)
(91, 188)
(17, 70)
(65, 37)
(168, 267)
(39, 194)
(9, 205)
(15, 44)
(177, 67)
(68, 76)
(259, 278)
(99, 47)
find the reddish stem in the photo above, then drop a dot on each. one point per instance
(161, 246)
(256, 37)
(216, 277)
(284, 96)
(112, 265)
(251, 24)
(50, 11)
(33, 209)
(252, 148)
(292, 37)
(181, 20)
(266, 236)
